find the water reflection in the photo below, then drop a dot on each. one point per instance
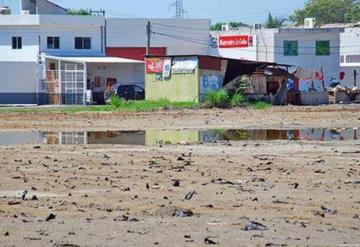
(168, 137)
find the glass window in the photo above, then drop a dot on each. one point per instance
(16, 43)
(290, 48)
(82, 43)
(78, 43)
(322, 48)
(53, 43)
(87, 43)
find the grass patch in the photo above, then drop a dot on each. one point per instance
(221, 99)
(260, 105)
(115, 105)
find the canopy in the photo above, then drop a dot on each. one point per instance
(99, 59)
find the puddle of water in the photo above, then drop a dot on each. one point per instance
(168, 137)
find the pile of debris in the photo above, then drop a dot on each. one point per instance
(344, 95)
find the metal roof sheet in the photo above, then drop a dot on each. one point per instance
(94, 59)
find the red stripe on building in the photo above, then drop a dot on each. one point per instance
(136, 53)
(210, 63)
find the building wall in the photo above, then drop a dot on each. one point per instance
(30, 41)
(306, 51)
(350, 55)
(43, 7)
(262, 49)
(179, 88)
(69, 27)
(188, 36)
(17, 82)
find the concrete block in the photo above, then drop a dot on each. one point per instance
(314, 98)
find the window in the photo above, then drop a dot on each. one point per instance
(53, 42)
(82, 43)
(16, 43)
(290, 48)
(322, 48)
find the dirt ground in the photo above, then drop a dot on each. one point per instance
(249, 193)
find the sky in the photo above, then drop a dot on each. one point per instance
(247, 11)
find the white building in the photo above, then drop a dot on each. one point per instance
(68, 50)
(128, 37)
(315, 49)
(350, 56)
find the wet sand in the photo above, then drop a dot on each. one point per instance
(300, 192)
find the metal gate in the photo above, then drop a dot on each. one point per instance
(72, 84)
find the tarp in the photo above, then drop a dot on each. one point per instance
(184, 65)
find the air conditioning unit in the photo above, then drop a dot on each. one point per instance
(309, 23)
(225, 27)
(25, 12)
(5, 10)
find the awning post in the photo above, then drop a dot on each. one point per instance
(85, 83)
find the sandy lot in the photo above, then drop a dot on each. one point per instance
(257, 193)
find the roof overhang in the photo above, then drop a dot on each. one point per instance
(99, 59)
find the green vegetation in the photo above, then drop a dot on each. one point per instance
(221, 99)
(328, 11)
(115, 105)
(79, 11)
(260, 105)
(274, 22)
(237, 100)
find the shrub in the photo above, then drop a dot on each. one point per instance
(237, 99)
(218, 99)
(116, 102)
(260, 105)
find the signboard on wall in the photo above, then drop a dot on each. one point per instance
(209, 83)
(154, 65)
(238, 41)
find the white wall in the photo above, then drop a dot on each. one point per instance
(306, 50)
(67, 40)
(18, 83)
(30, 48)
(69, 27)
(132, 33)
(248, 53)
(350, 46)
(262, 50)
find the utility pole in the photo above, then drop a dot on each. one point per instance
(148, 32)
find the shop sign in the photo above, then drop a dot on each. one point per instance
(239, 41)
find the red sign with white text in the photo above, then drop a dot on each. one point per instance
(154, 65)
(239, 41)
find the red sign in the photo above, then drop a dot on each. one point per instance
(154, 65)
(239, 41)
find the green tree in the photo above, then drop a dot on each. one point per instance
(354, 14)
(274, 22)
(79, 12)
(328, 11)
(217, 26)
